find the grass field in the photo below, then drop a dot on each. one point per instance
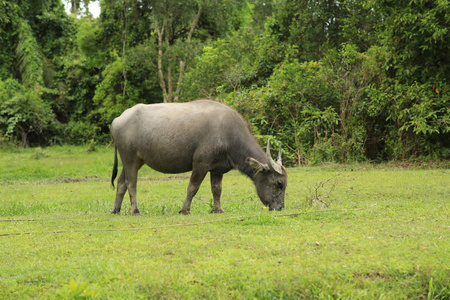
(384, 235)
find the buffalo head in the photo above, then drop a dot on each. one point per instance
(270, 180)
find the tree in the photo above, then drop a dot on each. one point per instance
(35, 37)
(79, 8)
(174, 25)
(163, 36)
(169, 21)
(23, 113)
(316, 27)
(417, 35)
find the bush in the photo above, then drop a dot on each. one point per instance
(79, 132)
(23, 114)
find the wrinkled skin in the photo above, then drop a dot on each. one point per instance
(201, 136)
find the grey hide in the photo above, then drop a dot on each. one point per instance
(201, 136)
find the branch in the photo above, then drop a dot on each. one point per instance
(318, 196)
(124, 46)
(183, 63)
(160, 32)
(194, 24)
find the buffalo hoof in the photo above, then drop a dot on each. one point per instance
(218, 211)
(136, 212)
(115, 211)
(185, 212)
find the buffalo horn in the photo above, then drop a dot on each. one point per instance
(275, 167)
(279, 157)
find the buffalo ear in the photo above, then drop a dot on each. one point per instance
(256, 165)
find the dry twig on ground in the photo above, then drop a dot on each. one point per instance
(322, 190)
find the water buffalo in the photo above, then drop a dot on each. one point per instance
(200, 136)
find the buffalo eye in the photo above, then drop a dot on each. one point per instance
(280, 184)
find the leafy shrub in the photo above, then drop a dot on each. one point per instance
(77, 290)
(78, 132)
(23, 113)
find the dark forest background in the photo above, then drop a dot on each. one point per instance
(339, 81)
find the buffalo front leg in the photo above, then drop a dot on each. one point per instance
(121, 190)
(216, 188)
(194, 184)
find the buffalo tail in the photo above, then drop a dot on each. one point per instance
(114, 171)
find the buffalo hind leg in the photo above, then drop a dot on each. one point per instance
(128, 181)
(216, 188)
(131, 175)
(194, 184)
(132, 191)
(121, 190)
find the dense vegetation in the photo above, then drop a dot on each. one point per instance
(350, 80)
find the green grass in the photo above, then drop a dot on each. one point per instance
(384, 235)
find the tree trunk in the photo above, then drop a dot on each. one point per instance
(124, 46)
(166, 83)
(183, 63)
(74, 8)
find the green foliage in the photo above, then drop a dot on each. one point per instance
(77, 290)
(79, 133)
(30, 60)
(417, 32)
(337, 109)
(108, 98)
(89, 42)
(243, 60)
(114, 95)
(317, 27)
(333, 81)
(37, 36)
(416, 118)
(310, 106)
(298, 108)
(23, 114)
